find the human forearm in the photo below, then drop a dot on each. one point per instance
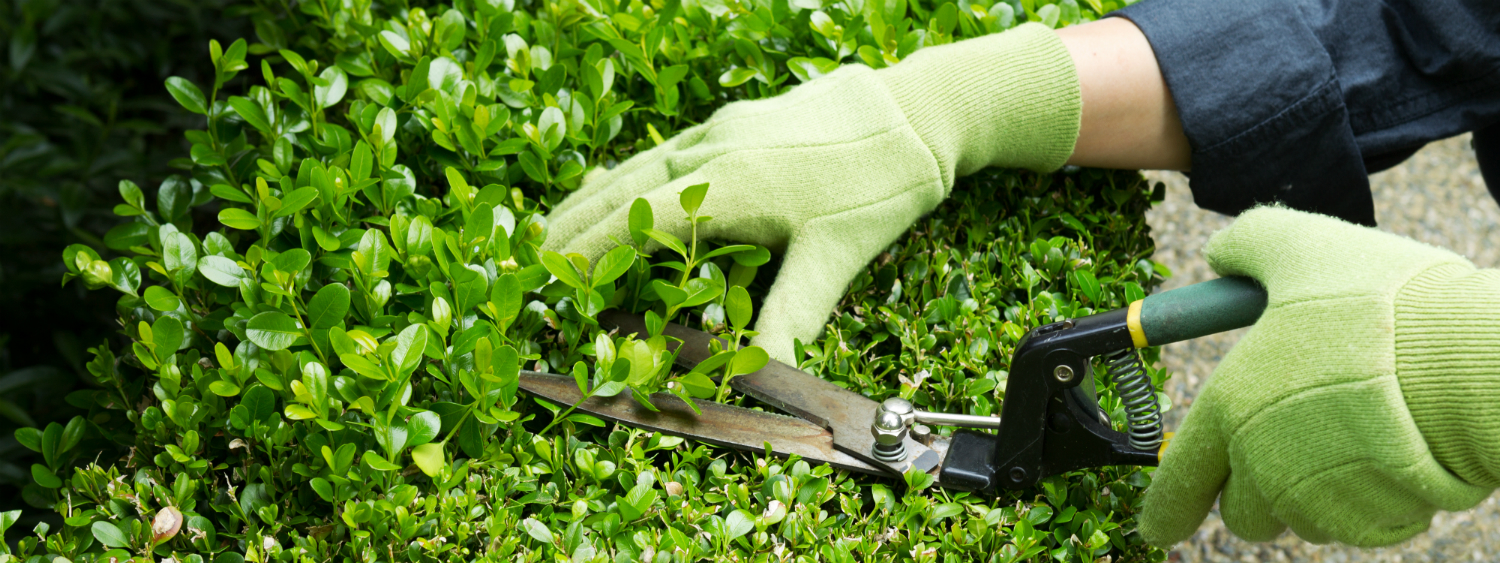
(1129, 119)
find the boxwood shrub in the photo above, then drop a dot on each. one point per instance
(321, 326)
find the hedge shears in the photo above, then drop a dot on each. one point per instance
(1050, 420)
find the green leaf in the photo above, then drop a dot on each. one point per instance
(757, 257)
(72, 433)
(537, 530)
(480, 225)
(581, 377)
(124, 275)
(638, 500)
(692, 197)
(374, 253)
(236, 218)
(52, 443)
(323, 488)
(162, 299)
(422, 428)
(670, 294)
(533, 277)
(378, 463)
(291, 261)
(109, 535)
(225, 389)
(8, 519)
(31, 438)
(740, 522)
(469, 288)
(670, 76)
(640, 220)
(338, 82)
(410, 344)
(612, 265)
(394, 43)
(168, 336)
(506, 295)
(300, 412)
(714, 362)
(228, 192)
(643, 361)
(697, 385)
(386, 119)
(562, 268)
(328, 307)
(45, 477)
(251, 112)
(187, 94)
(748, 360)
(1049, 15)
(701, 290)
(221, 270)
(737, 307)
(809, 69)
(609, 389)
(668, 240)
(737, 76)
(731, 249)
(178, 252)
(272, 330)
(126, 235)
(260, 402)
(173, 198)
(296, 201)
(429, 458)
(204, 155)
(362, 366)
(1087, 284)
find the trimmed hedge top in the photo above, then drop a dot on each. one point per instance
(327, 371)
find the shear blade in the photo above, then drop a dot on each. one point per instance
(845, 414)
(721, 425)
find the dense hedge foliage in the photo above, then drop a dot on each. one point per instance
(329, 371)
(82, 105)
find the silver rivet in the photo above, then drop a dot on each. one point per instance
(1063, 374)
(922, 434)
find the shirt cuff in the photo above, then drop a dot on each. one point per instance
(1261, 106)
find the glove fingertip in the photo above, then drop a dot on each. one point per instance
(1183, 489)
(1164, 521)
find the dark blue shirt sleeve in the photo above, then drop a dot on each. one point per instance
(1297, 101)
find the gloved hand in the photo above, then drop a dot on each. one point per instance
(1365, 399)
(835, 169)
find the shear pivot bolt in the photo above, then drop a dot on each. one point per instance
(890, 437)
(901, 407)
(1063, 374)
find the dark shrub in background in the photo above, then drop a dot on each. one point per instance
(82, 106)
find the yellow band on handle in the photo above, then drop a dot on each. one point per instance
(1166, 440)
(1133, 322)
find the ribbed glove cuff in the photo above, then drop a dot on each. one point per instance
(1448, 363)
(1008, 99)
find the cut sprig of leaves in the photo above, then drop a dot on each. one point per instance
(323, 324)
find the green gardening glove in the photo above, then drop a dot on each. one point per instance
(1365, 399)
(835, 169)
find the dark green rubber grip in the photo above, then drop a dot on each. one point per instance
(1201, 309)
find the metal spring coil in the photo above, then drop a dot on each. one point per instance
(1133, 385)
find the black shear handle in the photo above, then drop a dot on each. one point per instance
(1049, 425)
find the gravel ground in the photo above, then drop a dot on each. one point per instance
(1436, 197)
